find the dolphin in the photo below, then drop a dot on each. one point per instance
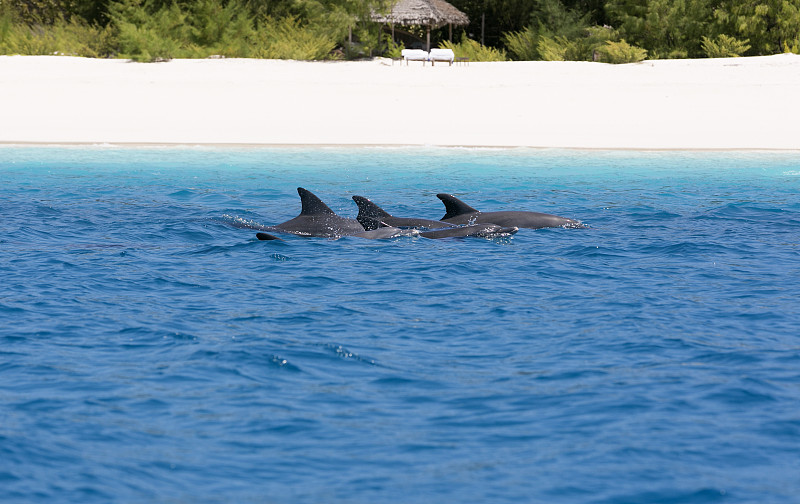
(475, 230)
(459, 212)
(375, 234)
(371, 216)
(317, 219)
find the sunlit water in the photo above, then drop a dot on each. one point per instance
(151, 352)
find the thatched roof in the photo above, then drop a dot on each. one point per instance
(422, 13)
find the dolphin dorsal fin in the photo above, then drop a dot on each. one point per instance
(454, 206)
(366, 208)
(312, 205)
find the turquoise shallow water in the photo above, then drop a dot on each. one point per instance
(150, 352)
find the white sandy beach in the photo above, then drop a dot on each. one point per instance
(738, 103)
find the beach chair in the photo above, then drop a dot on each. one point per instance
(442, 55)
(414, 55)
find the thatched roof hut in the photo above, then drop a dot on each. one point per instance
(428, 13)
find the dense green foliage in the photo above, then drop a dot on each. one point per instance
(63, 37)
(591, 30)
(471, 49)
(150, 30)
(146, 33)
(620, 52)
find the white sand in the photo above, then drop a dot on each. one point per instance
(740, 103)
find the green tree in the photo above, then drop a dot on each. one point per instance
(42, 12)
(666, 28)
(555, 32)
(492, 18)
(724, 47)
(272, 8)
(769, 25)
(789, 26)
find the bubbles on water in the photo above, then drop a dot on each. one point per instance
(240, 222)
(280, 361)
(344, 353)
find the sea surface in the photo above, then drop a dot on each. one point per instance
(150, 351)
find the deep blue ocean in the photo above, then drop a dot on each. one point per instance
(152, 352)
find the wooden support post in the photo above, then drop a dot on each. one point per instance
(429, 39)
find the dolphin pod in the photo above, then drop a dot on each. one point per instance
(461, 220)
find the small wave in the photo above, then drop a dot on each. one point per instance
(743, 212)
(11, 310)
(211, 250)
(403, 382)
(244, 363)
(281, 363)
(166, 281)
(592, 251)
(182, 194)
(42, 210)
(705, 495)
(737, 396)
(651, 214)
(684, 249)
(732, 359)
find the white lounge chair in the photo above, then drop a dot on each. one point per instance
(442, 55)
(414, 55)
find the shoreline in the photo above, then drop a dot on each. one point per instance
(255, 146)
(732, 104)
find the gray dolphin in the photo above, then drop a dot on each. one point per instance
(459, 212)
(317, 219)
(475, 230)
(371, 216)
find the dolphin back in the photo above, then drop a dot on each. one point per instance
(454, 206)
(476, 230)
